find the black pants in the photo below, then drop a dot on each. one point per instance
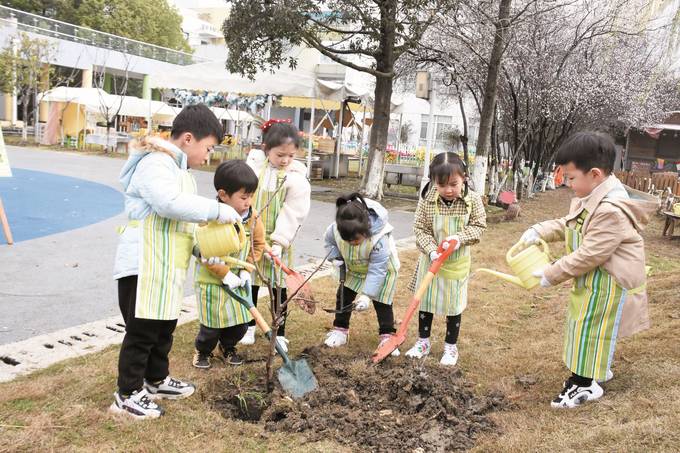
(208, 337)
(282, 328)
(452, 326)
(146, 345)
(384, 312)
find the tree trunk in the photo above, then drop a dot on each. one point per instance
(490, 88)
(464, 138)
(24, 129)
(371, 185)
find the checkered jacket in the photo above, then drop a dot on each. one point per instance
(471, 233)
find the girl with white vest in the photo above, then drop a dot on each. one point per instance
(154, 252)
(361, 240)
(285, 191)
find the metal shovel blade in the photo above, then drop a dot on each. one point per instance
(297, 378)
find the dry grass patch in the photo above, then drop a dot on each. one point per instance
(510, 342)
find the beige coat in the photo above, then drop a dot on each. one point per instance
(611, 239)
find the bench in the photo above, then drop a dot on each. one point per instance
(669, 226)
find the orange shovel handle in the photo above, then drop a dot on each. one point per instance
(278, 262)
(434, 268)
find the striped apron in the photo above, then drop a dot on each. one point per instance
(164, 253)
(593, 316)
(447, 294)
(357, 260)
(269, 216)
(216, 308)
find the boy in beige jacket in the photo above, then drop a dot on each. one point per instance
(605, 258)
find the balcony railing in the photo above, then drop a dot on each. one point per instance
(63, 30)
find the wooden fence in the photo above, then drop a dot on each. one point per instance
(652, 183)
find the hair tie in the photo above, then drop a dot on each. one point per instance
(269, 123)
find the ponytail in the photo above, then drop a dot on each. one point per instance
(352, 217)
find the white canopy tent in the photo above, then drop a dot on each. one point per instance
(213, 76)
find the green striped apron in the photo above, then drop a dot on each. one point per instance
(447, 294)
(164, 254)
(216, 308)
(357, 260)
(593, 316)
(269, 216)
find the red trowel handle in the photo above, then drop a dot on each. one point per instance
(278, 262)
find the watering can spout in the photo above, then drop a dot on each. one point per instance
(506, 277)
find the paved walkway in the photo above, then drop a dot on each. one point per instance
(63, 280)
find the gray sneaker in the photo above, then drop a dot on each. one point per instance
(138, 405)
(169, 388)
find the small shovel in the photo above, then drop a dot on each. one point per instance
(398, 338)
(295, 376)
(342, 270)
(294, 281)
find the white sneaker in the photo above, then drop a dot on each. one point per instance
(138, 405)
(609, 377)
(169, 388)
(384, 338)
(337, 337)
(249, 337)
(420, 349)
(572, 395)
(283, 342)
(450, 356)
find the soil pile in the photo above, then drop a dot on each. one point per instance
(399, 405)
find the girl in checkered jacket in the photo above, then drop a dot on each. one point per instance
(447, 210)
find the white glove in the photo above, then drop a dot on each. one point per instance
(212, 260)
(227, 214)
(434, 255)
(338, 262)
(276, 251)
(245, 277)
(545, 283)
(361, 302)
(231, 280)
(445, 245)
(530, 236)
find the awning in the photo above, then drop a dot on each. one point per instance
(306, 103)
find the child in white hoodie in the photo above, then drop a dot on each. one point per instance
(276, 166)
(154, 252)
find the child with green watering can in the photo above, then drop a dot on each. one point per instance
(360, 241)
(287, 207)
(605, 258)
(447, 210)
(223, 320)
(153, 255)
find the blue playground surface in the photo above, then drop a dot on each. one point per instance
(39, 204)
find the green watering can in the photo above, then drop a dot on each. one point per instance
(524, 261)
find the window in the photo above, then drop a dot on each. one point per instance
(442, 124)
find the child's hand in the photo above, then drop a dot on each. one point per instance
(245, 277)
(215, 266)
(455, 237)
(361, 302)
(434, 256)
(231, 280)
(227, 214)
(276, 251)
(545, 283)
(530, 236)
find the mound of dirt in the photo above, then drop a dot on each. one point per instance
(399, 405)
